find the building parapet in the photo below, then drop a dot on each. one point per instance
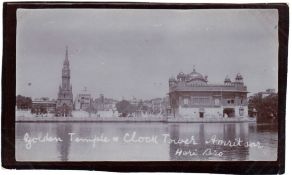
(217, 88)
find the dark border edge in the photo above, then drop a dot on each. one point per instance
(8, 96)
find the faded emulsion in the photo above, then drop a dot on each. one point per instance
(127, 91)
(173, 142)
(127, 82)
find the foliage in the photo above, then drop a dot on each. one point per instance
(266, 107)
(40, 110)
(23, 102)
(125, 107)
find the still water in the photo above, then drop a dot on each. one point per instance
(146, 141)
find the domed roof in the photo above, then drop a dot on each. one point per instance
(181, 75)
(195, 75)
(239, 77)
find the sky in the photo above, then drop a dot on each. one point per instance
(125, 53)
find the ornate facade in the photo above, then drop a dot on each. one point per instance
(64, 104)
(192, 96)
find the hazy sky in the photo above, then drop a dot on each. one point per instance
(126, 52)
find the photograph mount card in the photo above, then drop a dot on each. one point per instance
(145, 87)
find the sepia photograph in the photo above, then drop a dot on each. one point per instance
(131, 83)
(146, 85)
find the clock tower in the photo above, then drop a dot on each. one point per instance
(64, 105)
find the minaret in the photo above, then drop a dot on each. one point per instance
(64, 104)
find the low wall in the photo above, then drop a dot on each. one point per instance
(211, 120)
(133, 119)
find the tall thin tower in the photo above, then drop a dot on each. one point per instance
(64, 105)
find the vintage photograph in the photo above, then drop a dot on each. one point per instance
(146, 85)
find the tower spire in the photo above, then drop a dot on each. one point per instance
(64, 104)
(66, 51)
(66, 62)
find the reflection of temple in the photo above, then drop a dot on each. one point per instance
(64, 105)
(177, 132)
(232, 131)
(191, 96)
(203, 132)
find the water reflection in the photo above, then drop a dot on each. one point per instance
(266, 127)
(63, 147)
(203, 133)
(162, 151)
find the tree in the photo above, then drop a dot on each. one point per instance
(267, 107)
(23, 102)
(125, 107)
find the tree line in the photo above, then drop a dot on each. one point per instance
(23, 103)
(266, 107)
(124, 107)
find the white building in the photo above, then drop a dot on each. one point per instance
(192, 96)
(83, 100)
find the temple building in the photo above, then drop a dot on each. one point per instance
(191, 95)
(64, 104)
